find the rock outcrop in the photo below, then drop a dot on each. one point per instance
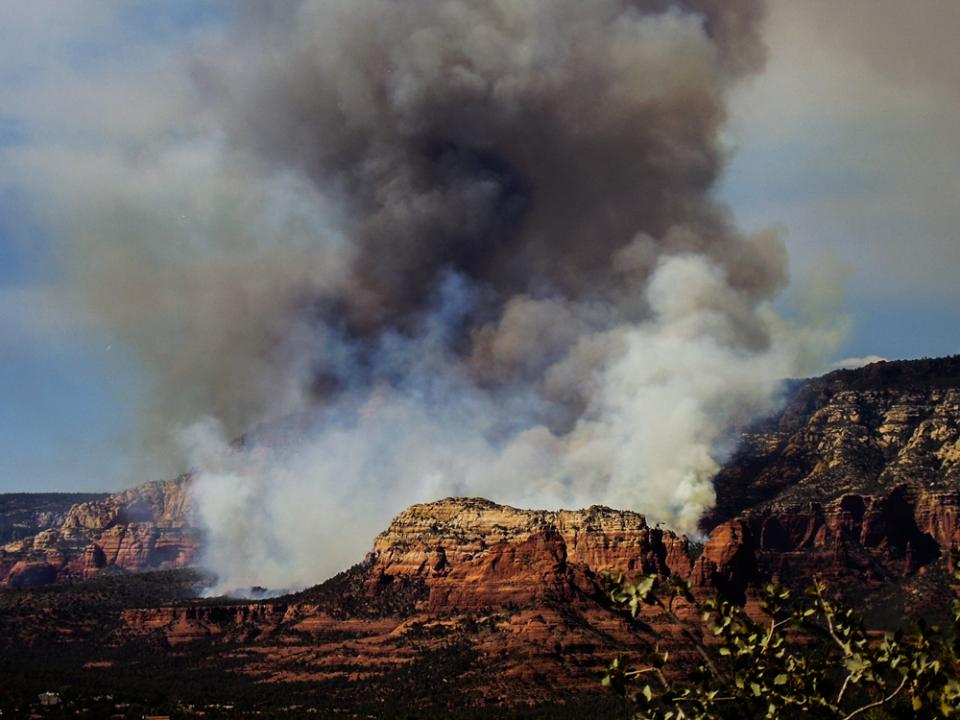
(143, 528)
(500, 605)
(518, 592)
(465, 555)
(26, 514)
(851, 432)
(473, 553)
(858, 475)
(857, 479)
(857, 542)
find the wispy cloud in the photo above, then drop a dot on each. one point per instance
(40, 314)
(851, 139)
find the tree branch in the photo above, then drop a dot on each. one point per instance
(881, 701)
(843, 688)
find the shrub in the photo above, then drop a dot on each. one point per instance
(805, 657)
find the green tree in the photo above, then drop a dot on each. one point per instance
(805, 657)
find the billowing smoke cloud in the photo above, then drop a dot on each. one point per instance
(415, 249)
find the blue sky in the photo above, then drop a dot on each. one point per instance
(70, 392)
(857, 163)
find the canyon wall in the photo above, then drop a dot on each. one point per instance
(144, 528)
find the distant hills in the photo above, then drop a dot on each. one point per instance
(70, 537)
(26, 514)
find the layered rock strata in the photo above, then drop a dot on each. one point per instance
(518, 592)
(144, 528)
(474, 553)
(851, 432)
(26, 514)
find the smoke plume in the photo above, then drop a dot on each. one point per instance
(424, 248)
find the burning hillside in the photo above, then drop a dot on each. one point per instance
(471, 248)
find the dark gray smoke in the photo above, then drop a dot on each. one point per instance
(546, 149)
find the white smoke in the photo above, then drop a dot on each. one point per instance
(304, 502)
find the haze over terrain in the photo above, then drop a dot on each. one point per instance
(470, 250)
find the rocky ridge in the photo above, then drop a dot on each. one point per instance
(519, 591)
(856, 480)
(144, 528)
(463, 555)
(475, 553)
(851, 432)
(26, 514)
(516, 591)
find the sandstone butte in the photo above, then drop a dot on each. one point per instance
(519, 591)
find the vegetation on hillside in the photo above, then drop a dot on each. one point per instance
(799, 657)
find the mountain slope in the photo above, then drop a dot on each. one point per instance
(463, 603)
(26, 514)
(864, 431)
(144, 528)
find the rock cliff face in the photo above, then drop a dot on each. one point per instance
(858, 474)
(473, 553)
(516, 592)
(856, 479)
(865, 432)
(26, 514)
(858, 543)
(147, 527)
(466, 555)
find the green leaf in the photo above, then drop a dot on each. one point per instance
(854, 663)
